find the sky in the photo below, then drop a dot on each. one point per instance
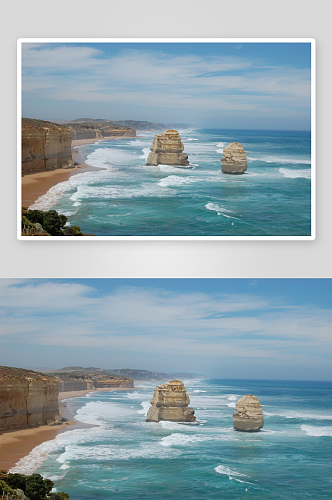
(210, 85)
(221, 328)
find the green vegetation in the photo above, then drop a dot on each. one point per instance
(50, 223)
(28, 122)
(32, 487)
(9, 371)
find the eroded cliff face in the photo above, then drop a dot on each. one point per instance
(167, 149)
(100, 131)
(170, 402)
(69, 382)
(45, 145)
(27, 398)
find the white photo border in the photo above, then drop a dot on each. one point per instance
(312, 42)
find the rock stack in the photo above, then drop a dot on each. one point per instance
(249, 415)
(170, 402)
(167, 149)
(235, 159)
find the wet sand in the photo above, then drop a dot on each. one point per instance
(35, 185)
(17, 444)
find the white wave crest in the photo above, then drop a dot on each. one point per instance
(28, 464)
(145, 406)
(317, 431)
(146, 152)
(277, 159)
(295, 174)
(217, 208)
(220, 210)
(222, 469)
(183, 439)
(176, 180)
(299, 415)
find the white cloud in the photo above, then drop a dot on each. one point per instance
(140, 319)
(157, 79)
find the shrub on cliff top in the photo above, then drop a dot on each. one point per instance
(50, 223)
(7, 492)
(36, 488)
(33, 487)
(53, 223)
(16, 481)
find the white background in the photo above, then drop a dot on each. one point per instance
(165, 18)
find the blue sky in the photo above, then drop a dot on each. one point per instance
(223, 328)
(211, 85)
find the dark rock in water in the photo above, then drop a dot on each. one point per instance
(249, 415)
(167, 149)
(170, 402)
(235, 159)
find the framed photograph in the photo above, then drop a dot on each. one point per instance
(166, 388)
(127, 139)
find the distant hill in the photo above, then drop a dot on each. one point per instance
(134, 124)
(128, 372)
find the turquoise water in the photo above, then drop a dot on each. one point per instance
(128, 458)
(128, 198)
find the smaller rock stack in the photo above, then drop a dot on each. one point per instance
(170, 402)
(167, 149)
(235, 159)
(249, 415)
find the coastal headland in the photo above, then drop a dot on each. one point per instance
(33, 410)
(36, 184)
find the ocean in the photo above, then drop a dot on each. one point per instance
(125, 458)
(128, 198)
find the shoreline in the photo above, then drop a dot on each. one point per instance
(18, 443)
(36, 184)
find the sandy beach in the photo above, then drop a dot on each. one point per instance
(37, 184)
(17, 444)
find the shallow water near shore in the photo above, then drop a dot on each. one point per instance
(129, 198)
(126, 457)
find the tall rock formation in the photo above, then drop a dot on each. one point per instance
(167, 149)
(249, 415)
(27, 398)
(170, 402)
(45, 145)
(235, 159)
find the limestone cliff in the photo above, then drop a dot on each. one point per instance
(81, 381)
(27, 398)
(167, 149)
(235, 159)
(170, 402)
(249, 415)
(45, 145)
(99, 131)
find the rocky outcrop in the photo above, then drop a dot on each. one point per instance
(167, 149)
(170, 402)
(235, 159)
(27, 398)
(249, 415)
(45, 146)
(81, 381)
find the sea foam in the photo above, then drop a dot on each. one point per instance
(295, 174)
(317, 431)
